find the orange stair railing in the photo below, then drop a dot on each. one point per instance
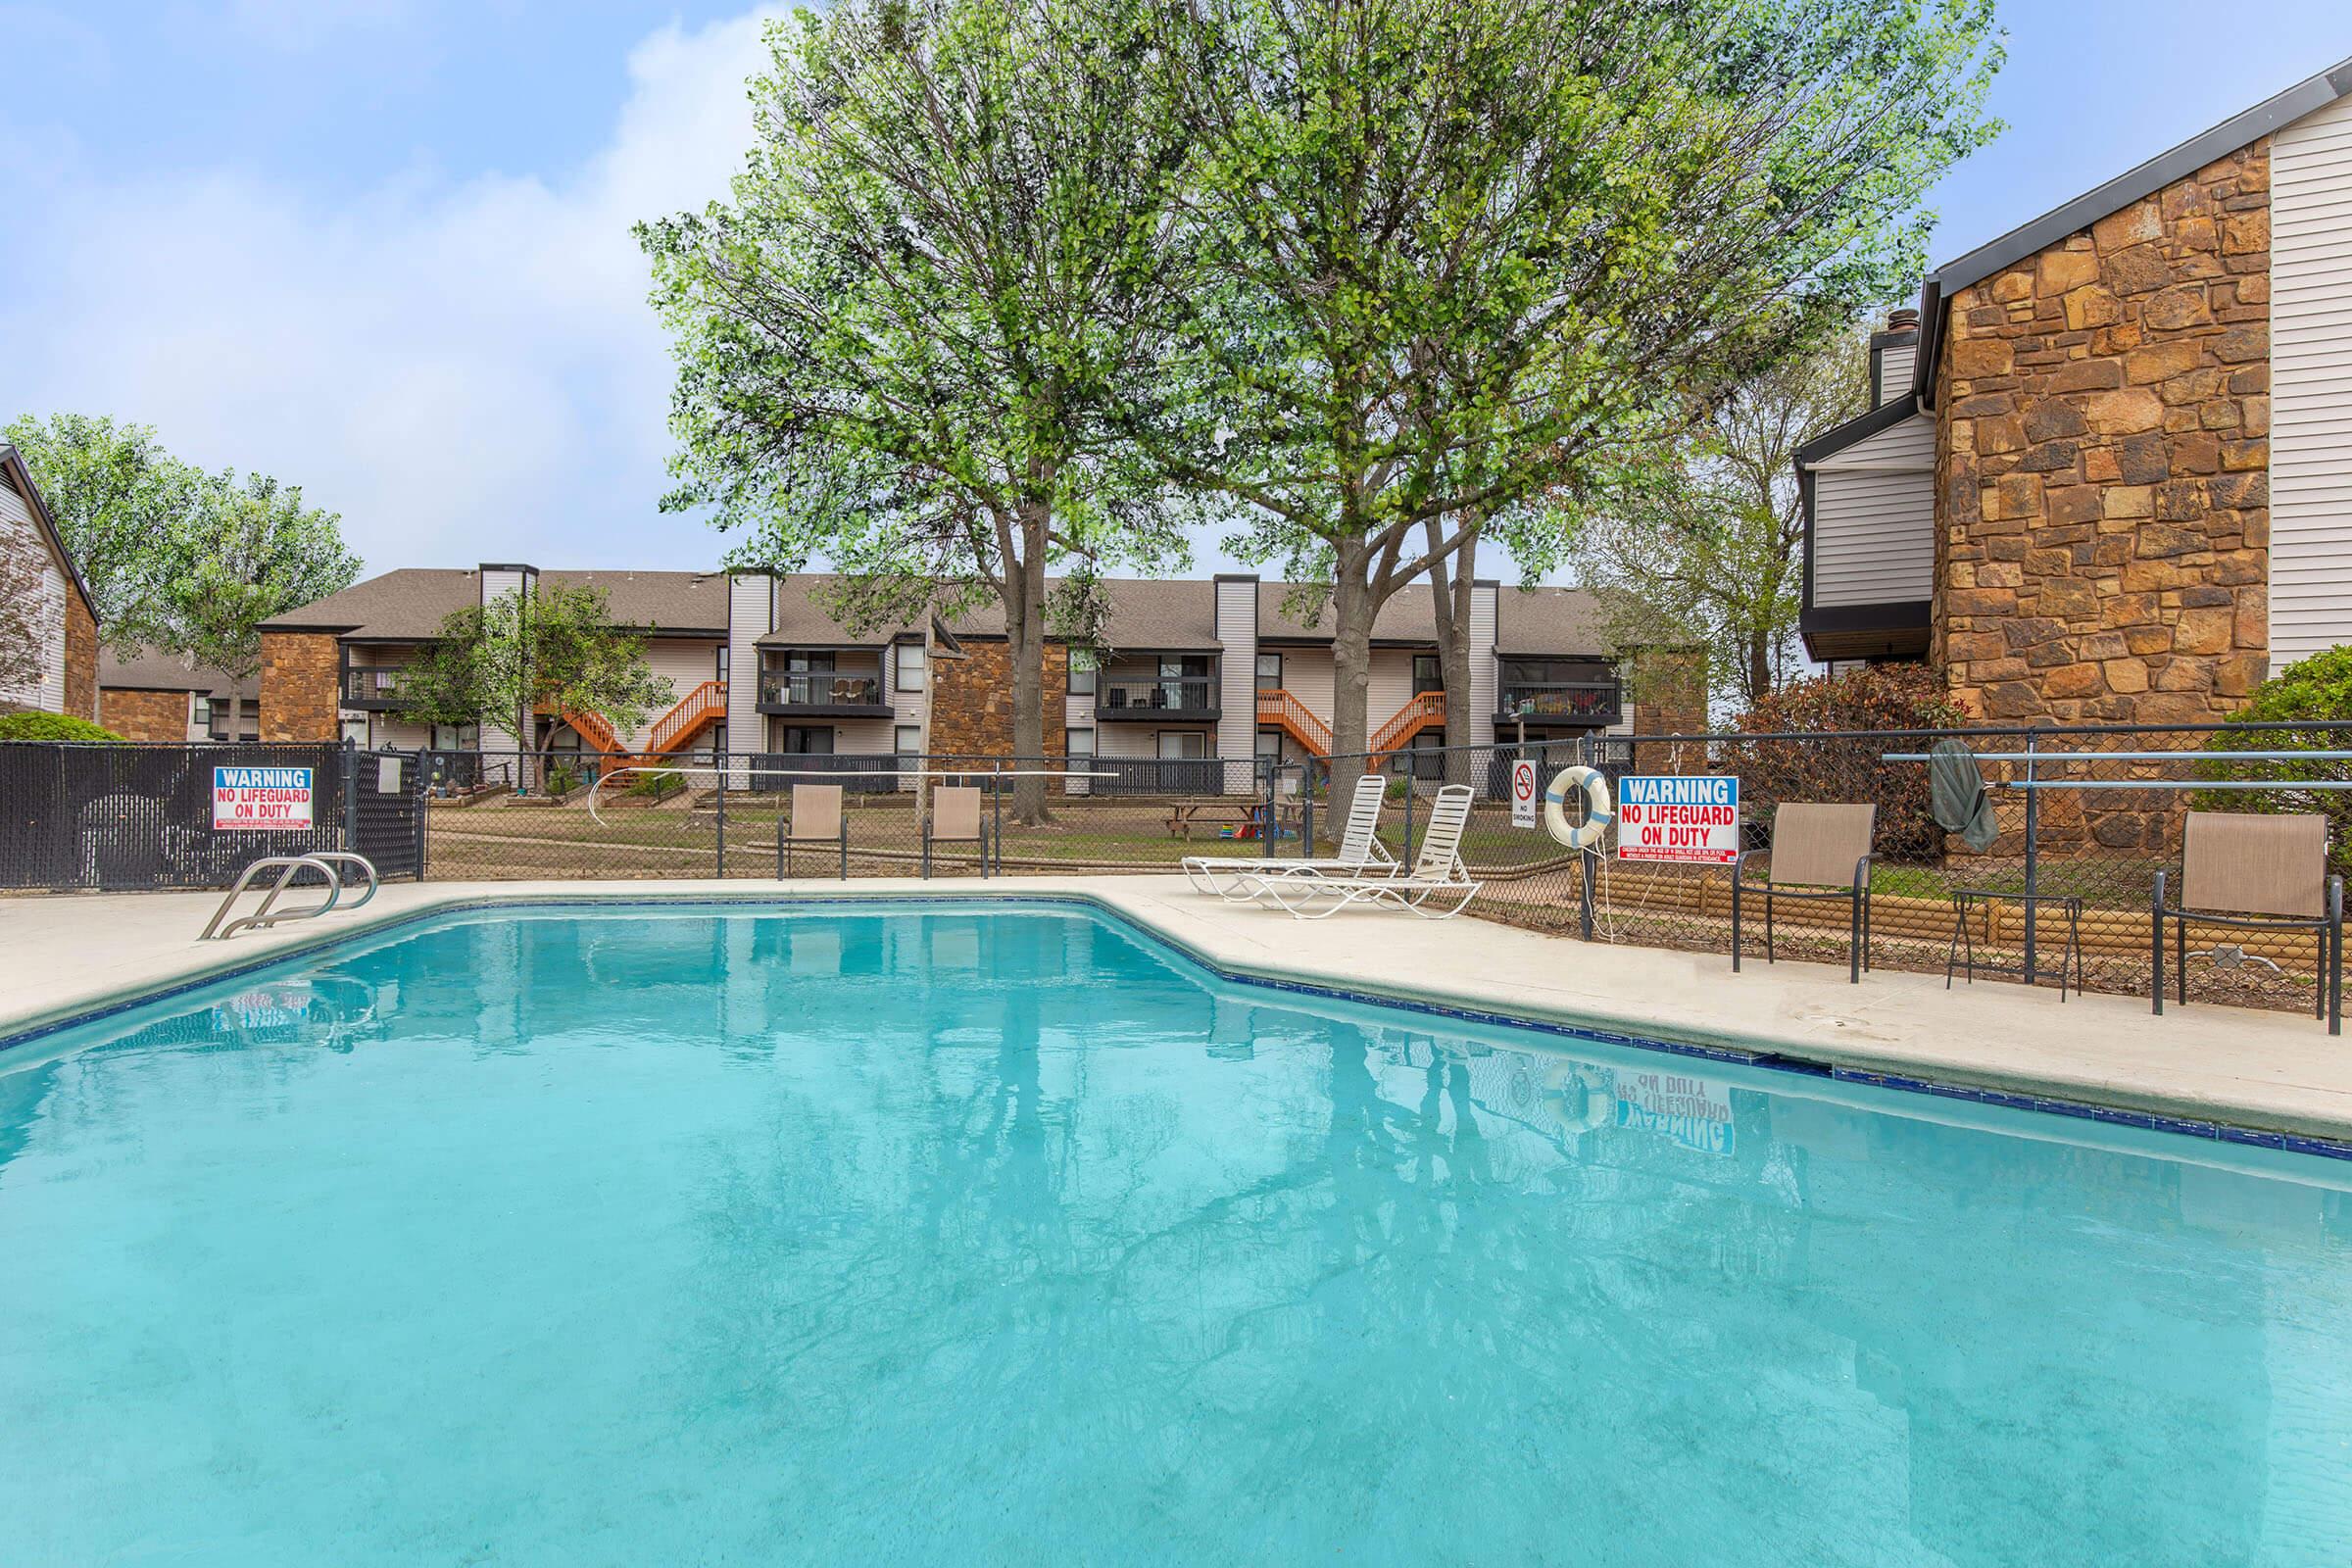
(1287, 712)
(707, 703)
(1426, 711)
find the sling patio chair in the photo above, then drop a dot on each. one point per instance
(1437, 888)
(1819, 850)
(2249, 872)
(1360, 851)
(955, 817)
(816, 820)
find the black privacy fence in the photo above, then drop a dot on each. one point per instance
(131, 818)
(505, 816)
(2080, 822)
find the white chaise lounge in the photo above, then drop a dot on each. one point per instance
(1360, 852)
(1437, 888)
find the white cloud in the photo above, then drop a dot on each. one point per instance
(465, 370)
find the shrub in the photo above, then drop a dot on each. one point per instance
(2278, 718)
(52, 727)
(657, 786)
(562, 780)
(1877, 697)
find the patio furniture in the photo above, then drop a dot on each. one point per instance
(955, 817)
(1360, 851)
(1963, 948)
(1186, 815)
(2249, 872)
(1819, 852)
(1437, 875)
(816, 820)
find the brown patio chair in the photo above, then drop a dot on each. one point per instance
(816, 818)
(1818, 851)
(2250, 872)
(956, 818)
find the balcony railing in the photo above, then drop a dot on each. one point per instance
(1169, 697)
(783, 690)
(364, 687)
(1574, 701)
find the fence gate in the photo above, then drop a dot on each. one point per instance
(384, 805)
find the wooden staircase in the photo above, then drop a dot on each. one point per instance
(687, 719)
(1279, 710)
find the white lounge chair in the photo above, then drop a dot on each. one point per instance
(1361, 851)
(1437, 877)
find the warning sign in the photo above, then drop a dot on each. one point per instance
(262, 798)
(1684, 821)
(1679, 1108)
(1523, 793)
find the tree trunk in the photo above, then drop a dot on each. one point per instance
(1025, 645)
(1352, 608)
(1451, 586)
(1760, 668)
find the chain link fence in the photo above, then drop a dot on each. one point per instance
(505, 816)
(2084, 819)
(129, 817)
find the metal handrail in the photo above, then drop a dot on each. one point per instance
(325, 862)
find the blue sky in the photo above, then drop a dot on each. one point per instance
(380, 247)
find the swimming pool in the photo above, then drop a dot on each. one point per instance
(1007, 1235)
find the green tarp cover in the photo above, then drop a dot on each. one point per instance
(1957, 795)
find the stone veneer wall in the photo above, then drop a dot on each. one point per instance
(971, 700)
(300, 701)
(81, 657)
(160, 717)
(2103, 460)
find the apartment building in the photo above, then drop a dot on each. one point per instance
(65, 679)
(1192, 675)
(2109, 473)
(169, 699)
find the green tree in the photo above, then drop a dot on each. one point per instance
(1458, 253)
(2285, 714)
(1710, 552)
(177, 559)
(949, 252)
(499, 665)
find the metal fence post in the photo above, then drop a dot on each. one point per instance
(1307, 806)
(2033, 851)
(423, 797)
(1585, 904)
(351, 796)
(1408, 807)
(721, 759)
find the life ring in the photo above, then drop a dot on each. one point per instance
(1586, 834)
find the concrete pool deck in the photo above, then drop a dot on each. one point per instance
(2268, 1071)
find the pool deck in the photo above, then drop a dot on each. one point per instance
(2267, 1071)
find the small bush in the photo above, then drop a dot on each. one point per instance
(1879, 697)
(2278, 718)
(562, 780)
(52, 727)
(659, 786)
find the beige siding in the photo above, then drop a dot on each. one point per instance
(1894, 370)
(1307, 675)
(1484, 685)
(685, 664)
(2311, 384)
(1391, 689)
(1237, 634)
(1874, 518)
(20, 538)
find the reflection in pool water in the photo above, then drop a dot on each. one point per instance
(996, 1235)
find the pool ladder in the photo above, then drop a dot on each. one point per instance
(326, 863)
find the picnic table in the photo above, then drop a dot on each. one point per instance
(1185, 816)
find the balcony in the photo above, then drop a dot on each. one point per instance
(1595, 702)
(822, 693)
(371, 689)
(1165, 700)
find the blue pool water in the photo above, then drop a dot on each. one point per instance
(1003, 1236)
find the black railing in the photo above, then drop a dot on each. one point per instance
(1188, 696)
(856, 773)
(365, 687)
(1574, 701)
(820, 689)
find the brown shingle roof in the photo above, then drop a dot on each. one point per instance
(413, 601)
(1548, 621)
(169, 672)
(1175, 617)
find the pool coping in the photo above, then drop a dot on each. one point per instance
(2315, 1132)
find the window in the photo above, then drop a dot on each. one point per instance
(809, 740)
(249, 719)
(719, 662)
(906, 663)
(1269, 672)
(804, 662)
(200, 711)
(1080, 752)
(1269, 745)
(1428, 676)
(908, 740)
(1081, 743)
(1183, 746)
(1082, 672)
